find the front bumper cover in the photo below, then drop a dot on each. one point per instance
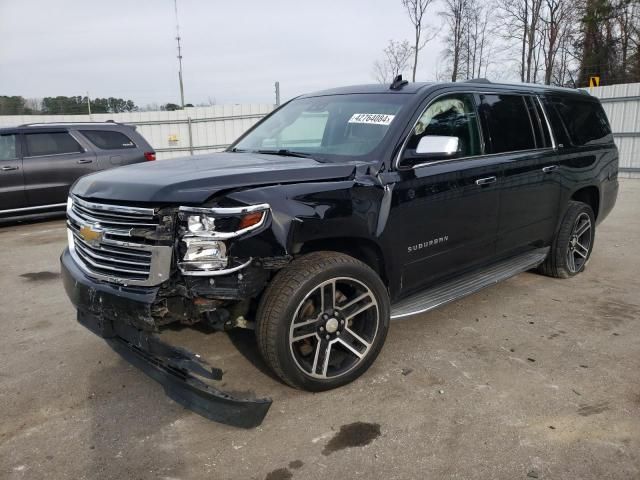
(104, 310)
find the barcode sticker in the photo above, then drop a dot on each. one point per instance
(372, 118)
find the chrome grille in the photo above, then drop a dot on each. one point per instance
(114, 217)
(107, 242)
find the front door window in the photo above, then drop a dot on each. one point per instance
(450, 116)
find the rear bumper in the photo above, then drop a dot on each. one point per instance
(122, 316)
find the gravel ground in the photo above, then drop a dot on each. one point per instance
(532, 378)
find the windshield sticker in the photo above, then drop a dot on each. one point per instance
(372, 118)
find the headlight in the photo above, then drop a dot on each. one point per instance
(203, 231)
(200, 223)
(221, 223)
(203, 254)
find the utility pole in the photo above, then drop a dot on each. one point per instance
(89, 105)
(175, 4)
(277, 94)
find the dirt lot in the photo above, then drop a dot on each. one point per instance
(533, 378)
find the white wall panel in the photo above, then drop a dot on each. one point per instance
(622, 105)
(212, 128)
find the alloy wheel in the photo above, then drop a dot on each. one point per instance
(579, 243)
(334, 328)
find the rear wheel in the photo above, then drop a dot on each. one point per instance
(322, 321)
(572, 246)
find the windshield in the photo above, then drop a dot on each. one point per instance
(326, 126)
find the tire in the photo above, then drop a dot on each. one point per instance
(574, 241)
(351, 324)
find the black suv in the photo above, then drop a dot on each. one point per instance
(40, 161)
(339, 211)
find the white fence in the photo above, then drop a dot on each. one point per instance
(622, 104)
(210, 129)
(173, 134)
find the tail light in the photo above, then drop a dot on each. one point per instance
(150, 155)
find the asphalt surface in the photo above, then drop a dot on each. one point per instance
(532, 378)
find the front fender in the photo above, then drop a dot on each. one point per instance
(306, 212)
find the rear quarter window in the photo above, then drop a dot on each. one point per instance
(585, 121)
(108, 140)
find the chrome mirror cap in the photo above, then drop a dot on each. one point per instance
(437, 145)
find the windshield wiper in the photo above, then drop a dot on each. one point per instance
(285, 153)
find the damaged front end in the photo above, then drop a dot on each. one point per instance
(131, 271)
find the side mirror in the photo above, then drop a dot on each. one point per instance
(437, 146)
(431, 148)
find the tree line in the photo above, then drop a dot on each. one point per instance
(78, 105)
(18, 105)
(556, 42)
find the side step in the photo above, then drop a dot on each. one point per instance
(467, 284)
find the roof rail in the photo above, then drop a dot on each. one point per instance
(398, 83)
(51, 124)
(477, 80)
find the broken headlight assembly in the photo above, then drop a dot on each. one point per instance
(203, 231)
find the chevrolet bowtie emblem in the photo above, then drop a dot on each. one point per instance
(92, 234)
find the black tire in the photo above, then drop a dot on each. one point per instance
(298, 292)
(558, 262)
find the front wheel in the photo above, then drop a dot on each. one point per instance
(322, 321)
(572, 246)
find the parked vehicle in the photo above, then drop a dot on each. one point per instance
(339, 211)
(40, 161)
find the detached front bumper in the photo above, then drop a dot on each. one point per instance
(120, 315)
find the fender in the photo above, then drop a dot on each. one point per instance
(309, 213)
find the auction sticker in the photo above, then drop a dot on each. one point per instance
(371, 118)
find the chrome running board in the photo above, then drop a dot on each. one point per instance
(467, 284)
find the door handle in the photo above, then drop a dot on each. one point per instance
(486, 181)
(7, 168)
(549, 169)
(85, 160)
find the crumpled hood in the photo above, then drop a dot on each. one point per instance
(192, 180)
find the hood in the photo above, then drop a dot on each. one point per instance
(192, 180)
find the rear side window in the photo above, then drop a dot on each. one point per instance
(507, 119)
(108, 139)
(8, 147)
(585, 121)
(51, 143)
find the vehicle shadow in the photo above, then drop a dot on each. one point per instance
(245, 342)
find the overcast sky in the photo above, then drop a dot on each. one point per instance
(233, 50)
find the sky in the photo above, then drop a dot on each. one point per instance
(233, 51)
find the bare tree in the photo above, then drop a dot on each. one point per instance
(466, 23)
(557, 30)
(627, 18)
(519, 20)
(423, 34)
(34, 104)
(476, 19)
(396, 60)
(454, 15)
